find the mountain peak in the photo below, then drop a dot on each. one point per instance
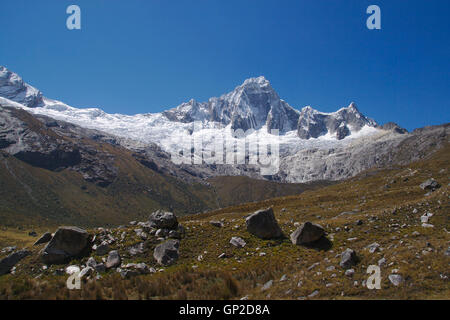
(14, 88)
(261, 80)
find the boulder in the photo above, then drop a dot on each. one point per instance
(307, 233)
(100, 267)
(102, 249)
(67, 243)
(6, 264)
(113, 260)
(166, 253)
(163, 220)
(72, 269)
(46, 237)
(348, 259)
(263, 224)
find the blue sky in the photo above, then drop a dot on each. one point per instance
(146, 56)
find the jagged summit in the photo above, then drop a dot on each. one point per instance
(14, 88)
(313, 123)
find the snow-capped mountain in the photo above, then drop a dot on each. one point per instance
(313, 123)
(311, 142)
(252, 105)
(14, 88)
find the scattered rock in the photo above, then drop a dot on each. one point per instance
(32, 234)
(307, 233)
(137, 249)
(314, 294)
(263, 224)
(217, 224)
(166, 253)
(381, 262)
(348, 259)
(237, 242)
(100, 267)
(102, 249)
(350, 272)
(67, 243)
(113, 260)
(395, 279)
(6, 264)
(430, 185)
(267, 285)
(373, 247)
(91, 262)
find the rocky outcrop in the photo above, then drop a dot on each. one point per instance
(53, 147)
(67, 243)
(313, 124)
(14, 88)
(263, 224)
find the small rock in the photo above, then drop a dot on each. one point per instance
(113, 260)
(102, 249)
(348, 259)
(217, 224)
(237, 242)
(350, 272)
(267, 285)
(396, 279)
(373, 247)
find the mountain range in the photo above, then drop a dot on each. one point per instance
(46, 143)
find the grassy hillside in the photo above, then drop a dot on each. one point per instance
(382, 206)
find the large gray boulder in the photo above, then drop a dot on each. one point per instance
(263, 224)
(6, 264)
(166, 253)
(67, 243)
(163, 220)
(307, 233)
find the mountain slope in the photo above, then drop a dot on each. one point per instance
(380, 209)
